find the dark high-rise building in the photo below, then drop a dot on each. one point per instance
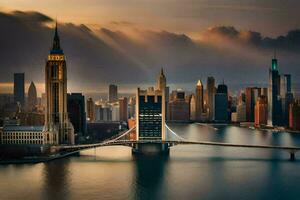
(294, 118)
(113, 93)
(274, 103)
(150, 114)
(77, 114)
(286, 97)
(221, 104)
(123, 109)
(210, 97)
(58, 128)
(19, 88)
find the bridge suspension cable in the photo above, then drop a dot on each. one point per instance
(120, 136)
(181, 138)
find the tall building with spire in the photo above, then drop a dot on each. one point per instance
(58, 128)
(161, 83)
(274, 103)
(199, 100)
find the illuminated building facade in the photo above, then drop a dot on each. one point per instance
(123, 109)
(261, 111)
(90, 105)
(199, 100)
(23, 135)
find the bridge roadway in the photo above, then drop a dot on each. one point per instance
(291, 149)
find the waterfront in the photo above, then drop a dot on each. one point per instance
(190, 172)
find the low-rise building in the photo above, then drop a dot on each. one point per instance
(26, 135)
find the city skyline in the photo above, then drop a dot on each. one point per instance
(140, 99)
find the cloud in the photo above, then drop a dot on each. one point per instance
(289, 42)
(134, 56)
(31, 16)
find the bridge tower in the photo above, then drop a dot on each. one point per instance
(150, 121)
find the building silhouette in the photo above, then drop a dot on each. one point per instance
(210, 97)
(19, 88)
(221, 103)
(274, 103)
(286, 96)
(294, 115)
(32, 98)
(113, 93)
(77, 114)
(58, 128)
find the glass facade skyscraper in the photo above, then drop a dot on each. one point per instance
(221, 104)
(274, 101)
(150, 114)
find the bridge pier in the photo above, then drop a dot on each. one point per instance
(292, 156)
(151, 149)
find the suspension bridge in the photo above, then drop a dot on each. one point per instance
(121, 139)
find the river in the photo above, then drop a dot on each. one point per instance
(190, 172)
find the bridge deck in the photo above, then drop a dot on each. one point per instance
(186, 142)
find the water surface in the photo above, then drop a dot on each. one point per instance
(190, 172)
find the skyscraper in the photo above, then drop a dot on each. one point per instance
(199, 100)
(161, 84)
(193, 107)
(261, 111)
(274, 104)
(19, 88)
(123, 109)
(286, 97)
(294, 118)
(32, 98)
(150, 114)
(113, 93)
(90, 105)
(77, 114)
(58, 128)
(221, 103)
(179, 108)
(210, 97)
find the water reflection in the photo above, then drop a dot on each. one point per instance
(149, 176)
(56, 179)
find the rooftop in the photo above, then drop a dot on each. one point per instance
(23, 128)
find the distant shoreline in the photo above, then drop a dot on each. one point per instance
(35, 160)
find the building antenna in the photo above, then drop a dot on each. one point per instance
(274, 53)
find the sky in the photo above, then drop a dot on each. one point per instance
(127, 42)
